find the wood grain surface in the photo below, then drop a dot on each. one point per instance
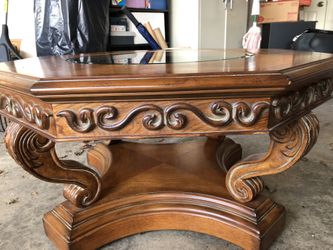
(202, 185)
(165, 187)
(68, 101)
(55, 79)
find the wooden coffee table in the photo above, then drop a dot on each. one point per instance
(202, 184)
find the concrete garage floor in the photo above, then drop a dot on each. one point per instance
(305, 191)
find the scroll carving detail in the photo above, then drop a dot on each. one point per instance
(228, 153)
(177, 120)
(82, 123)
(288, 144)
(37, 156)
(174, 116)
(151, 121)
(30, 112)
(247, 115)
(307, 98)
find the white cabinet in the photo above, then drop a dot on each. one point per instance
(207, 23)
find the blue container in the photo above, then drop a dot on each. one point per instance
(159, 4)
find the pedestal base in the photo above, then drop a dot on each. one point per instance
(165, 187)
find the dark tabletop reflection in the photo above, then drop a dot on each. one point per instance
(158, 57)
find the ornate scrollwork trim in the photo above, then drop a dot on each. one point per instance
(32, 113)
(247, 115)
(309, 97)
(82, 123)
(288, 144)
(173, 116)
(151, 121)
(176, 120)
(37, 156)
(105, 117)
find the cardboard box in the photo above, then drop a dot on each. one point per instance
(17, 44)
(284, 11)
(301, 2)
(304, 2)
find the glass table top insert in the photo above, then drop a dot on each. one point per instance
(158, 57)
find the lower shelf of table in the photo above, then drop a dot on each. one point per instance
(165, 187)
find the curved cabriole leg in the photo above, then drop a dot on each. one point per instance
(37, 155)
(289, 143)
(228, 153)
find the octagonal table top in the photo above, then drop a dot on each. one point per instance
(139, 94)
(183, 71)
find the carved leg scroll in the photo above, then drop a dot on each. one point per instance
(228, 153)
(37, 155)
(289, 143)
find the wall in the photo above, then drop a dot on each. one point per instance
(329, 16)
(323, 14)
(212, 24)
(184, 23)
(207, 24)
(21, 24)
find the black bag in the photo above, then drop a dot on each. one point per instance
(71, 26)
(314, 40)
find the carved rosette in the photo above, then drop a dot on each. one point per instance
(175, 116)
(37, 155)
(288, 144)
(30, 112)
(307, 98)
